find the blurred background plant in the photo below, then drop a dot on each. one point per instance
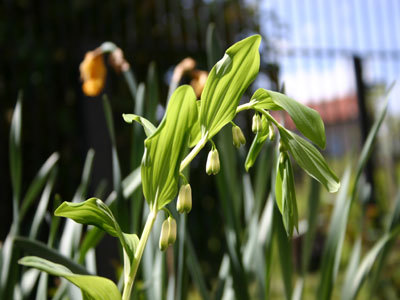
(235, 249)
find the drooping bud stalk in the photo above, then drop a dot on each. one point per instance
(238, 137)
(256, 126)
(282, 147)
(172, 231)
(213, 165)
(184, 203)
(271, 132)
(164, 236)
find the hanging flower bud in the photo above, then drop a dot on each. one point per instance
(213, 165)
(164, 236)
(184, 203)
(93, 73)
(238, 137)
(282, 147)
(256, 126)
(271, 132)
(172, 230)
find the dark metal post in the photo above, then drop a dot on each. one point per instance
(365, 122)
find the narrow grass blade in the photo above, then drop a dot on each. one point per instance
(37, 184)
(42, 206)
(131, 82)
(352, 267)
(195, 269)
(71, 236)
(137, 148)
(37, 248)
(181, 257)
(333, 247)
(15, 154)
(153, 92)
(268, 228)
(122, 213)
(393, 222)
(366, 265)
(213, 48)
(285, 254)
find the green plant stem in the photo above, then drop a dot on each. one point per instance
(139, 252)
(194, 152)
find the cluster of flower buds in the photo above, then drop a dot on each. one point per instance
(283, 152)
(213, 165)
(256, 126)
(184, 203)
(271, 131)
(168, 233)
(238, 137)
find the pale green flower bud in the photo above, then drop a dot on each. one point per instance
(282, 147)
(164, 236)
(238, 137)
(213, 165)
(271, 132)
(256, 126)
(172, 231)
(184, 203)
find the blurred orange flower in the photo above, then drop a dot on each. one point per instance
(93, 73)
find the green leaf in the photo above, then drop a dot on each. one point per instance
(148, 127)
(164, 150)
(310, 160)
(15, 153)
(94, 212)
(33, 247)
(285, 255)
(227, 82)
(366, 265)
(307, 120)
(257, 145)
(37, 183)
(92, 287)
(285, 193)
(334, 242)
(89, 212)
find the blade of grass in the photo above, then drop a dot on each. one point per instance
(42, 207)
(15, 154)
(367, 263)
(333, 247)
(37, 184)
(352, 267)
(32, 247)
(71, 236)
(122, 212)
(394, 221)
(137, 149)
(285, 254)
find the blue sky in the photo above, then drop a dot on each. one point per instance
(368, 28)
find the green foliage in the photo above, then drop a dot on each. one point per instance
(164, 150)
(93, 287)
(251, 224)
(226, 83)
(306, 119)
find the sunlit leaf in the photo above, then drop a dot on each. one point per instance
(257, 145)
(310, 160)
(164, 150)
(94, 212)
(285, 193)
(307, 120)
(148, 127)
(92, 287)
(227, 82)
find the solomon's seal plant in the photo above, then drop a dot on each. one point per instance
(187, 127)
